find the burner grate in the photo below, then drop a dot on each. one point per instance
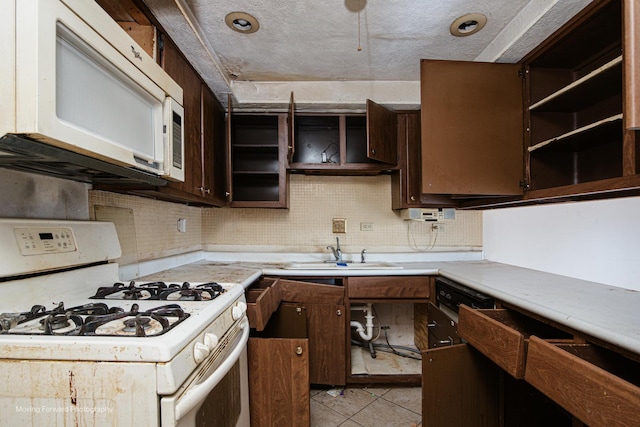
(160, 291)
(93, 319)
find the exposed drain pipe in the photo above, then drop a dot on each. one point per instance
(368, 315)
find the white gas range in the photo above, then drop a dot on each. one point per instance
(78, 347)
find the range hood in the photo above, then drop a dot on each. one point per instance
(23, 154)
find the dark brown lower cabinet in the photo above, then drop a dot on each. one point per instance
(279, 382)
(463, 388)
(460, 387)
(326, 332)
(324, 308)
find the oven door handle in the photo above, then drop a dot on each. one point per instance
(197, 394)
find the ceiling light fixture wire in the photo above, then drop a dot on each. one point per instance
(359, 45)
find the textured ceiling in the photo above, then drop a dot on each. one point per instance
(310, 47)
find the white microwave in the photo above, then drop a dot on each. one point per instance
(71, 78)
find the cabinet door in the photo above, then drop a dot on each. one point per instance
(381, 134)
(326, 327)
(291, 126)
(460, 387)
(179, 69)
(228, 137)
(213, 148)
(407, 180)
(472, 128)
(327, 355)
(279, 378)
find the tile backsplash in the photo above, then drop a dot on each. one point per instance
(155, 224)
(304, 227)
(315, 201)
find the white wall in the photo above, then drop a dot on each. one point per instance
(595, 240)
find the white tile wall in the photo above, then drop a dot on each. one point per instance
(304, 227)
(315, 200)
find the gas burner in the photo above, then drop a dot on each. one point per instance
(56, 324)
(155, 321)
(133, 291)
(203, 292)
(93, 319)
(130, 325)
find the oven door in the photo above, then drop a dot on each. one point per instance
(217, 393)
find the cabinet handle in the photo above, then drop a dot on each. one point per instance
(339, 312)
(299, 351)
(373, 151)
(204, 190)
(413, 198)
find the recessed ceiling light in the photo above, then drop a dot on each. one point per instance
(468, 24)
(242, 22)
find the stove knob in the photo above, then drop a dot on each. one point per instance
(200, 352)
(238, 311)
(211, 340)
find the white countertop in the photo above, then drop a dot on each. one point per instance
(605, 312)
(609, 313)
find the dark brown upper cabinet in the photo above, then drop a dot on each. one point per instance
(406, 179)
(345, 143)
(560, 125)
(205, 159)
(258, 147)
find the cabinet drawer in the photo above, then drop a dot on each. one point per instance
(309, 292)
(399, 287)
(263, 299)
(596, 385)
(502, 335)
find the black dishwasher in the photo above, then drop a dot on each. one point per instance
(443, 317)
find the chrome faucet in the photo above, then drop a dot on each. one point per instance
(337, 252)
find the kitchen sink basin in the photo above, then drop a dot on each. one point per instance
(342, 266)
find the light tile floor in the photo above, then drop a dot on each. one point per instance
(366, 407)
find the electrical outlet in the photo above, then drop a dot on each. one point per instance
(182, 225)
(339, 225)
(437, 227)
(366, 226)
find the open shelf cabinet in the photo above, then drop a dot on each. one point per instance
(257, 151)
(576, 104)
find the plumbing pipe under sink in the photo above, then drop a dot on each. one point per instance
(360, 328)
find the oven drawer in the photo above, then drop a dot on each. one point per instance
(596, 385)
(263, 299)
(502, 335)
(398, 287)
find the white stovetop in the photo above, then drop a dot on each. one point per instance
(75, 288)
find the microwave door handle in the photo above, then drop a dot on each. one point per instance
(197, 394)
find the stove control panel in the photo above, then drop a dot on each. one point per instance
(49, 240)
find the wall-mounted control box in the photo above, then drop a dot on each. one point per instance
(427, 214)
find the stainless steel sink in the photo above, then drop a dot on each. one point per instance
(342, 266)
